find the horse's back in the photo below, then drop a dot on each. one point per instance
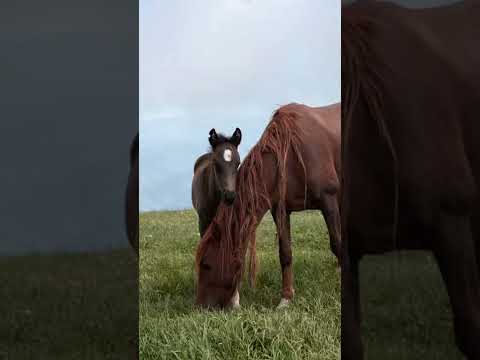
(323, 131)
(321, 138)
(327, 118)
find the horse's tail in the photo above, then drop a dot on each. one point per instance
(253, 265)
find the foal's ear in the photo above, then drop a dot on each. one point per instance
(213, 138)
(236, 137)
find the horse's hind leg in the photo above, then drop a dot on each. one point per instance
(455, 254)
(285, 254)
(331, 215)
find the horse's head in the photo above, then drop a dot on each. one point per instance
(218, 276)
(226, 161)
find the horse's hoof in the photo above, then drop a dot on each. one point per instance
(283, 303)
(235, 302)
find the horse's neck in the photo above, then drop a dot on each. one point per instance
(268, 179)
(260, 209)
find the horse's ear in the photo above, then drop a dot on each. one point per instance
(213, 139)
(236, 137)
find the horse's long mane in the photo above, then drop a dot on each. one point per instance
(233, 228)
(363, 75)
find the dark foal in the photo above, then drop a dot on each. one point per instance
(215, 176)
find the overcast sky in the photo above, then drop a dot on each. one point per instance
(68, 114)
(225, 64)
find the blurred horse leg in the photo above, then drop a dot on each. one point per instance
(455, 254)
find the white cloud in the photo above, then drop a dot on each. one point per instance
(224, 64)
(211, 53)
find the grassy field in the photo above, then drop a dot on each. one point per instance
(171, 328)
(406, 310)
(72, 307)
(405, 307)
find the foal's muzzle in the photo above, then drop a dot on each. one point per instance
(229, 197)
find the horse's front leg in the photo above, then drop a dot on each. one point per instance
(331, 215)
(285, 254)
(455, 254)
(352, 348)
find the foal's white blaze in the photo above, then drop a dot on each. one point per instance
(235, 300)
(227, 155)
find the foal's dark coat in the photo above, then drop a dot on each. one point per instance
(214, 178)
(411, 157)
(131, 213)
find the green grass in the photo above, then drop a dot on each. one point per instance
(78, 306)
(406, 310)
(172, 328)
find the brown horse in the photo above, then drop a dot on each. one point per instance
(294, 166)
(131, 203)
(410, 154)
(215, 176)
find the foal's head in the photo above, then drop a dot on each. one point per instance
(226, 161)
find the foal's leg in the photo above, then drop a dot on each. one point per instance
(352, 348)
(455, 254)
(285, 253)
(331, 215)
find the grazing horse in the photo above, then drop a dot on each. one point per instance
(294, 166)
(131, 203)
(214, 176)
(410, 154)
